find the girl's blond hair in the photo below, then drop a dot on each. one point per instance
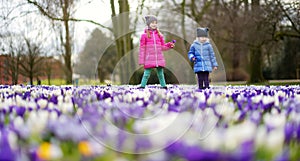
(149, 36)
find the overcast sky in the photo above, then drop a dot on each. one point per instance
(96, 10)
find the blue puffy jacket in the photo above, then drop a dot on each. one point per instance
(205, 56)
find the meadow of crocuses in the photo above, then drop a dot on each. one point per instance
(224, 123)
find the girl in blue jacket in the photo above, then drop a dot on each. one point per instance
(203, 56)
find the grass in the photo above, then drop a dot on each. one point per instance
(59, 82)
(271, 83)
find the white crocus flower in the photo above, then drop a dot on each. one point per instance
(236, 115)
(256, 99)
(127, 98)
(268, 99)
(200, 96)
(69, 92)
(213, 141)
(169, 128)
(53, 116)
(226, 109)
(18, 122)
(240, 98)
(275, 140)
(33, 94)
(157, 156)
(67, 107)
(31, 104)
(297, 97)
(51, 105)
(55, 152)
(12, 140)
(237, 134)
(108, 101)
(294, 116)
(48, 151)
(275, 120)
(56, 92)
(42, 103)
(203, 130)
(155, 124)
(79, 112)
(37, 121)
(19, 101)
(260, 137)
(68, 99)
(60, 100)
(5, 105)
(139, 102)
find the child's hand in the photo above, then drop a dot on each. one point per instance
(215, 68)
(193, 59)
(172, 45)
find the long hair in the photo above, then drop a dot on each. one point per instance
(148, 33)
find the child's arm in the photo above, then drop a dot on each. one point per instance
(213, 57)
(191, 54)
(142, 49)
(165, 46)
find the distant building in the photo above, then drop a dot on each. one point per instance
(51, 68)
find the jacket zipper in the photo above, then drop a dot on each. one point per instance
(202, 56)
(155, 49)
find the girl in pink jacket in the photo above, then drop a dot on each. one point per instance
(151, 55)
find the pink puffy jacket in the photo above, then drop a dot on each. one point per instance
(151, 55)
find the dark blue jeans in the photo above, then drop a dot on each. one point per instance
(203, 81)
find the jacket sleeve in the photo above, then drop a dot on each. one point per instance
(165, 46)
(191, 53)
(212, 56)
(142, 50)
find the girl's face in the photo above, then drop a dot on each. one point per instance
(202, 39)
(153, 25)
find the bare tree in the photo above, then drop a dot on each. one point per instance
(32, 61)
(291, 14)
(60, 10)
(13, 61)
(250, 28)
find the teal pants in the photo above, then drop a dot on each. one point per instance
(160, 75)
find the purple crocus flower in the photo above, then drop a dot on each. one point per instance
(68, 129)
(298, 133)
(20, 111)
(53, 99)
(289, 131)
(174, 108)
(284, 156)
(26, 95)
(142, 143)
(33, 154)
(245, 152)
(6, 152)
(192, 152)
(121, 140)
(242, 115)
(176, 149)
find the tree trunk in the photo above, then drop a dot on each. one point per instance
(236, 47)
(256, 62)
(67, 45)
(183, 30)
(122, 36)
